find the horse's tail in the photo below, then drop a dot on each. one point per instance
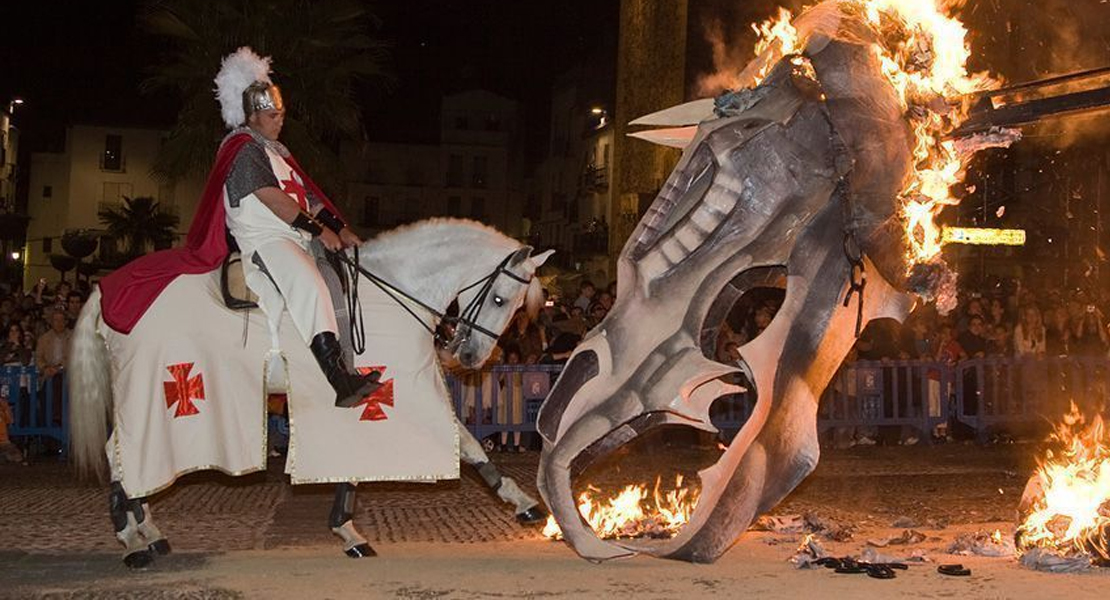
(90, 392)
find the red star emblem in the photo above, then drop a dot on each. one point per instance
(183, 389)
(373, 403)
(294, 188)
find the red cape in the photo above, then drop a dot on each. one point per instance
(127, 293)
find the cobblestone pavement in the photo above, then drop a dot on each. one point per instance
(236, 537)
(42, 509)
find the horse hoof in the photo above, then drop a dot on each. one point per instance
(532, 516)
(361, 551)
(139, 560)
(160, 547)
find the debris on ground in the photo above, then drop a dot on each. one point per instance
(956, 570)
(809, 523)
(780, 524)
(981, 543)
(872, 555)
(907, 537)
(808, 553)
(850, 566)
(940, 523)
(1043, 559)
(828, 528)
(904, 522)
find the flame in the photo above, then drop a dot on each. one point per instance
(780, 30)
(922, 51)
(1070, 513)
(629, 514)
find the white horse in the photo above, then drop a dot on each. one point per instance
(425, 267)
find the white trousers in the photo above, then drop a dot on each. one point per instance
(290, 281)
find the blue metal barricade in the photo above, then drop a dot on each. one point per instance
(900, 393)
(40, 409)
(503, 398)
(983, 394)
(1026, 394)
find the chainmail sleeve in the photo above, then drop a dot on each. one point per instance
(250, 171)
(314, 202)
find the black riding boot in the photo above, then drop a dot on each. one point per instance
(350, 388)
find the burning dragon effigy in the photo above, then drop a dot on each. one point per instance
(822, 172)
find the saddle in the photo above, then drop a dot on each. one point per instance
(233, 284)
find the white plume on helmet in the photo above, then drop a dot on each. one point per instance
(237, 71)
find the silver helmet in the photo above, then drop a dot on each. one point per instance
(261, 95)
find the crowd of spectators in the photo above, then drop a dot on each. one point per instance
(552, 337)
(37, 326)
(1003, 321)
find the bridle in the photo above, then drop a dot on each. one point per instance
(468, 316)
(465, 323)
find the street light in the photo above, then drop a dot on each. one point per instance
(16, 255)
(602, 117)
(17, 101)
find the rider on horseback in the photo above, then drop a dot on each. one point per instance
(274, 213)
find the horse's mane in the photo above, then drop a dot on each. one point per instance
(383, 242)
(385, 239)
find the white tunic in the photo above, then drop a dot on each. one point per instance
(289, 278)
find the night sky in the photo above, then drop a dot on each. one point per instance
(82, 62)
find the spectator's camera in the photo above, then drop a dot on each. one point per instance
(549, 303)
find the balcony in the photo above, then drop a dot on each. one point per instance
(595, 179)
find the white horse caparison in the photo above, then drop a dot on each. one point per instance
(433, 261)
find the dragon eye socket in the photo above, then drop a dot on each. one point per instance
(498, 300)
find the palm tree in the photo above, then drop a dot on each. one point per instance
(140, 224)
(320, 49)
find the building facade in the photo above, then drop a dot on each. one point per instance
(476, 171)
(98, 167)
(570, 196)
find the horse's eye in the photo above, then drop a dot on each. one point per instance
(498, 300)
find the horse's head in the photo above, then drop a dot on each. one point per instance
(488, 305)
(785, 186)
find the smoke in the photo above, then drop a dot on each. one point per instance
(728, 60)
(1073, 37)
(722, 41)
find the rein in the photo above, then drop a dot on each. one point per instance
(468, 317)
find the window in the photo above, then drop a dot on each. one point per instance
(454, 170)
(454, 206)
(477, 208)
(480, 175)
(112, 159)
(114, 193)
(461, 123)
(493, 123)
(371, 206)
(47, 191)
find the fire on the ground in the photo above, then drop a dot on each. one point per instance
(630, 514)
(1066, 505)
